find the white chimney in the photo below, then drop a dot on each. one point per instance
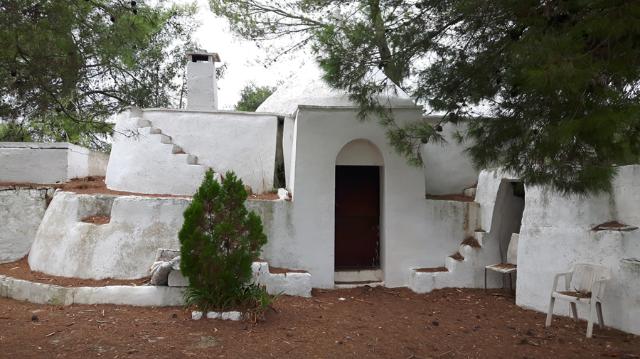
(202, 89)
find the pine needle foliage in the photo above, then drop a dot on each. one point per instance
(219, 240)
(549, 90)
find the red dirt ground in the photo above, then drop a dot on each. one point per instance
(351, 323)
(432, 270)
(21, 270)
(96, 185)
(449, 197)
(611, 225)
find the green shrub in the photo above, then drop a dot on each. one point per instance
(218, 242)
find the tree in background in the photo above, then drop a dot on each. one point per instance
(219, 241)
(67, 66)
(252, 96)
(549, 89)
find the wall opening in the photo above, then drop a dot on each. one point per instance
(507, 214)
(357, 218)
(279, 175)
(358, 203)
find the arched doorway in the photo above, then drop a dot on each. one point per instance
(357, 207)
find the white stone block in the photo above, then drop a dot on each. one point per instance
(176, 279)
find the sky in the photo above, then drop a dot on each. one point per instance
(242, 57)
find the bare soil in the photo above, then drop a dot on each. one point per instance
(471, 241)
(612, 226)
(21, 270)
(97, 219)
(278, 270)
(96, 185)
(432, 270)
(504, 266)
(351, 323)
(457, 256)
(450, 197)
(270, 196)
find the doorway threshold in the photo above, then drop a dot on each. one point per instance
(358, 275)
(366, 283)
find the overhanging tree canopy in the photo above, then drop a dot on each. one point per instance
(549, 89)
(66, 66)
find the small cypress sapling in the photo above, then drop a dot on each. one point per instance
(218, 242)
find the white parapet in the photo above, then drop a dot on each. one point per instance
(47, 163)
(21, 210)
(41, 293)
(289, 283)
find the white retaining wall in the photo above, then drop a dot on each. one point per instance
(46, 163)
(41, 293)
(556, 233)
(21, 210)
(126, 247)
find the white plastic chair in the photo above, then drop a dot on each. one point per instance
(510, 266)
(584, 284)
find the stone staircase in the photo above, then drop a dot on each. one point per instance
(146, 128)
(462, 269)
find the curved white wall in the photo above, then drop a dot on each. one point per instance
(448, 169)
(126, 247)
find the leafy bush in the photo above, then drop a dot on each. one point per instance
(218, 242)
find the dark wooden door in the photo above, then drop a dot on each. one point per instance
(357, 216)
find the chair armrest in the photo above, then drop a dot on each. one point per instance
(567, 278)
(598, 287)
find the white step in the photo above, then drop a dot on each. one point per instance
(143, 123)
(192, 160)
(177, 149)
(365, 275)
(480, 237)
(165, 139)
(349, 285)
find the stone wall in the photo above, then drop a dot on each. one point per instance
(21, 211)
(126, 247)
(47, 163)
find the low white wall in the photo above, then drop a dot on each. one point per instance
(556, 233)
(21, 211)
(126, 247)
(46, 163)
(41, 293)
(447, 168)
(242, 142)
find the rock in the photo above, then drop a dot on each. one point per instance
(165, 255)
(167, 260)
(196, 315)
(34, 318)
(233, 315)
(283, 194)
(176, 279)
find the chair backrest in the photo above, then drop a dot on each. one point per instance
(585, 275)
(512, 250)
